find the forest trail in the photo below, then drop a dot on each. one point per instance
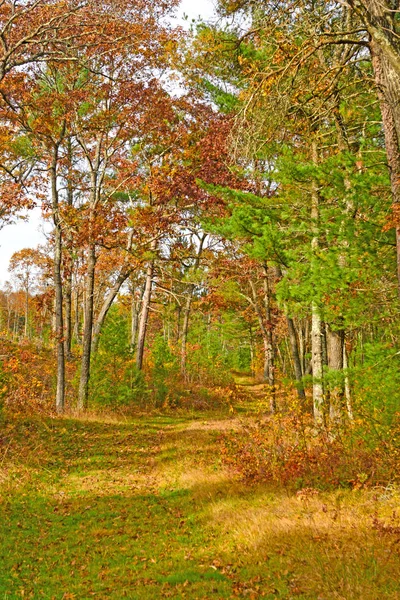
(144, 509)
(253, 393)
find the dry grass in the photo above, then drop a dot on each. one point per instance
(145, 509)
(318, 545)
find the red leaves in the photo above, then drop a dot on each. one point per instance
(290, 452)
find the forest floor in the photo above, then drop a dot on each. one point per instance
(103, 507)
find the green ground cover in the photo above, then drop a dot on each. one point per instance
(143, 509)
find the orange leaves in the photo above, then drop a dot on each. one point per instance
(29, 374)
(288, 450)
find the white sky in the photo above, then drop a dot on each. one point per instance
(28, 234)
(195, 8)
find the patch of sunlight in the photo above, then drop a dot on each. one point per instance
(215, 425)
(96, 417)
(249, 522)
(205, 484)
(108, 482)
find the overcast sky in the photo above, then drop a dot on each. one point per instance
(195, 8)
(30, 233)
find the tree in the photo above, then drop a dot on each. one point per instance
(291, 81)
(89, 89)
(25, 266)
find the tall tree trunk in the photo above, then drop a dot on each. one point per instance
(270, 337)
(387, 77)
(76, 315)
(26, 330)
(69, 266)
(316, 353)
(335, 341)
(294, 347)
(266, 333)
(96, 183)
(185, 330)
(144, 315)
(135, 310)
(251, 342)
(59, 320)
(347, 389)
(68, 315)
(107, 303)
(178, 323)
(88, 328)
(188, 305)
(316, 323)
(9, 314)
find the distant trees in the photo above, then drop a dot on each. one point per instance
(247, 224)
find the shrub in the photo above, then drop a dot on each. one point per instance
(288, 451)
(115, 380)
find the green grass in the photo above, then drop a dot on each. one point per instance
(143, 509)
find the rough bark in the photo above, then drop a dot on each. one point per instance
(144, 315)
(83, 395)
(379, 18)
(267, 337)
(185, 330)
(57, 266)
(135, 310)
(294, 348)
(77, 336)
(347, 389)
(335, 341)
(316, 322)
(68, 276)
(388, 85)
(107, 303)
(26, 329)
(68, 315)
(270, 363)
(96, 181)
(188, 305)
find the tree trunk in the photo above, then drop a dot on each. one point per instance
(335, 341)
(59, 320)
(144, 315)
(135, 310)
(316, 323)
(76, 316)
(185, 330)
(107, 303)
(347, 389)
(88, 329)
(388, 87)
(26, 332)
(294, 348)
(70, 264)
(96, 182)
(68, 315)
(316, 353)
(186, 311)
(251, 342)
(266, 333)
(270, 363)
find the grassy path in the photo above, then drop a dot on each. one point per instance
(144, 510)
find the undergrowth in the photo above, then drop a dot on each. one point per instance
(289, 451)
